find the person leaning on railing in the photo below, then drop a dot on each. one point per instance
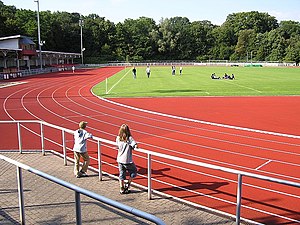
(125, 144)
(80, 150)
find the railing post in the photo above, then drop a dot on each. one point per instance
(78, 208)
(149, 177)
(99, 161)
(21, 195)
(239, 199)
(42, 139)
(19, 137)
(64, 147)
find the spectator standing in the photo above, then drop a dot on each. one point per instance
(134, 72)
(80, 150)
(125, 144)
(148, 71)
(173, 70)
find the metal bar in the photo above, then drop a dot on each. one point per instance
(19, 137)
(78, 208)
(239, 199)
(21, 195)
(149, 177)
(42, 139)
(88, 193)
(99, 161)
(64, 147)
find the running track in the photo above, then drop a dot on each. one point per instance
(65, 99)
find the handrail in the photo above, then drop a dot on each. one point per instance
(189, 161)
(239, 173)
(78, 190)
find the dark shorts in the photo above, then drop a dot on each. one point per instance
(130, 167)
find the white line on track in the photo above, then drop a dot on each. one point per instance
(9, 84)
(201, 121)
(259, 167)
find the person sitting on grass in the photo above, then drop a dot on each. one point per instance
(226, 76)
(214, 76)
(125, 144)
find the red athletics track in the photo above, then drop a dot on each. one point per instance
(65, 98)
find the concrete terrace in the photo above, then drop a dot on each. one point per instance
(49, 203)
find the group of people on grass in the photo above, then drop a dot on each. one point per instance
(125, 144)
(174, 70)
(226, 76)
(148, 71)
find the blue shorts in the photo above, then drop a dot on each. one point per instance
(130, 167)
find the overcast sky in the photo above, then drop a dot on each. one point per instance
(215, 11)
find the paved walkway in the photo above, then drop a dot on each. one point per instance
(50, 203)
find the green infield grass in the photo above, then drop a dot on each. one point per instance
(196, 81)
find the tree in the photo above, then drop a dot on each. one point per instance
(202, 38)
(293, 50)
(136, 38)
(246, 43)
(7, 20)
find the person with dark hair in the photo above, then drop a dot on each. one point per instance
(125, 144)
(148, 71)
(80, 150)
(134, 72)
(173, 70)
(214, 76)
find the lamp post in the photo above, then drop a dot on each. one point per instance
(81, 24)
(39, 32)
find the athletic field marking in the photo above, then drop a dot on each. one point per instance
(244, 87)
(4, 85)
(257, 168)
(118, 82)
(201, 121)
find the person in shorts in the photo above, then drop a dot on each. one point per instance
(125, 144)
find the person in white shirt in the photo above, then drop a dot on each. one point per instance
(80, 150)
(148, 71)
(125, 144)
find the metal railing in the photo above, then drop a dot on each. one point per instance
(77, 190)
(240, 174)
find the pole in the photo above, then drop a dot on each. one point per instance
(149, 178)
(21, 195)
(39, 33)
(106, 85)
(239, 200)
(81, 40)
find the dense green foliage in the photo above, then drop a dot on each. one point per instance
(243, 36)
(196, 81)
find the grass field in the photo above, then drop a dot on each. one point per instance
(196, 81)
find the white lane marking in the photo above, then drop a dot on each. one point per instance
(257, 168)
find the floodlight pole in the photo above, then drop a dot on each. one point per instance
(39, 32)
(81, 23)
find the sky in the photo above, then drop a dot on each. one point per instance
(215, 11)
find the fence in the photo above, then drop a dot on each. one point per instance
(77, 191)
(240, 174)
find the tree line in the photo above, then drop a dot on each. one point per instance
(243, 36)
